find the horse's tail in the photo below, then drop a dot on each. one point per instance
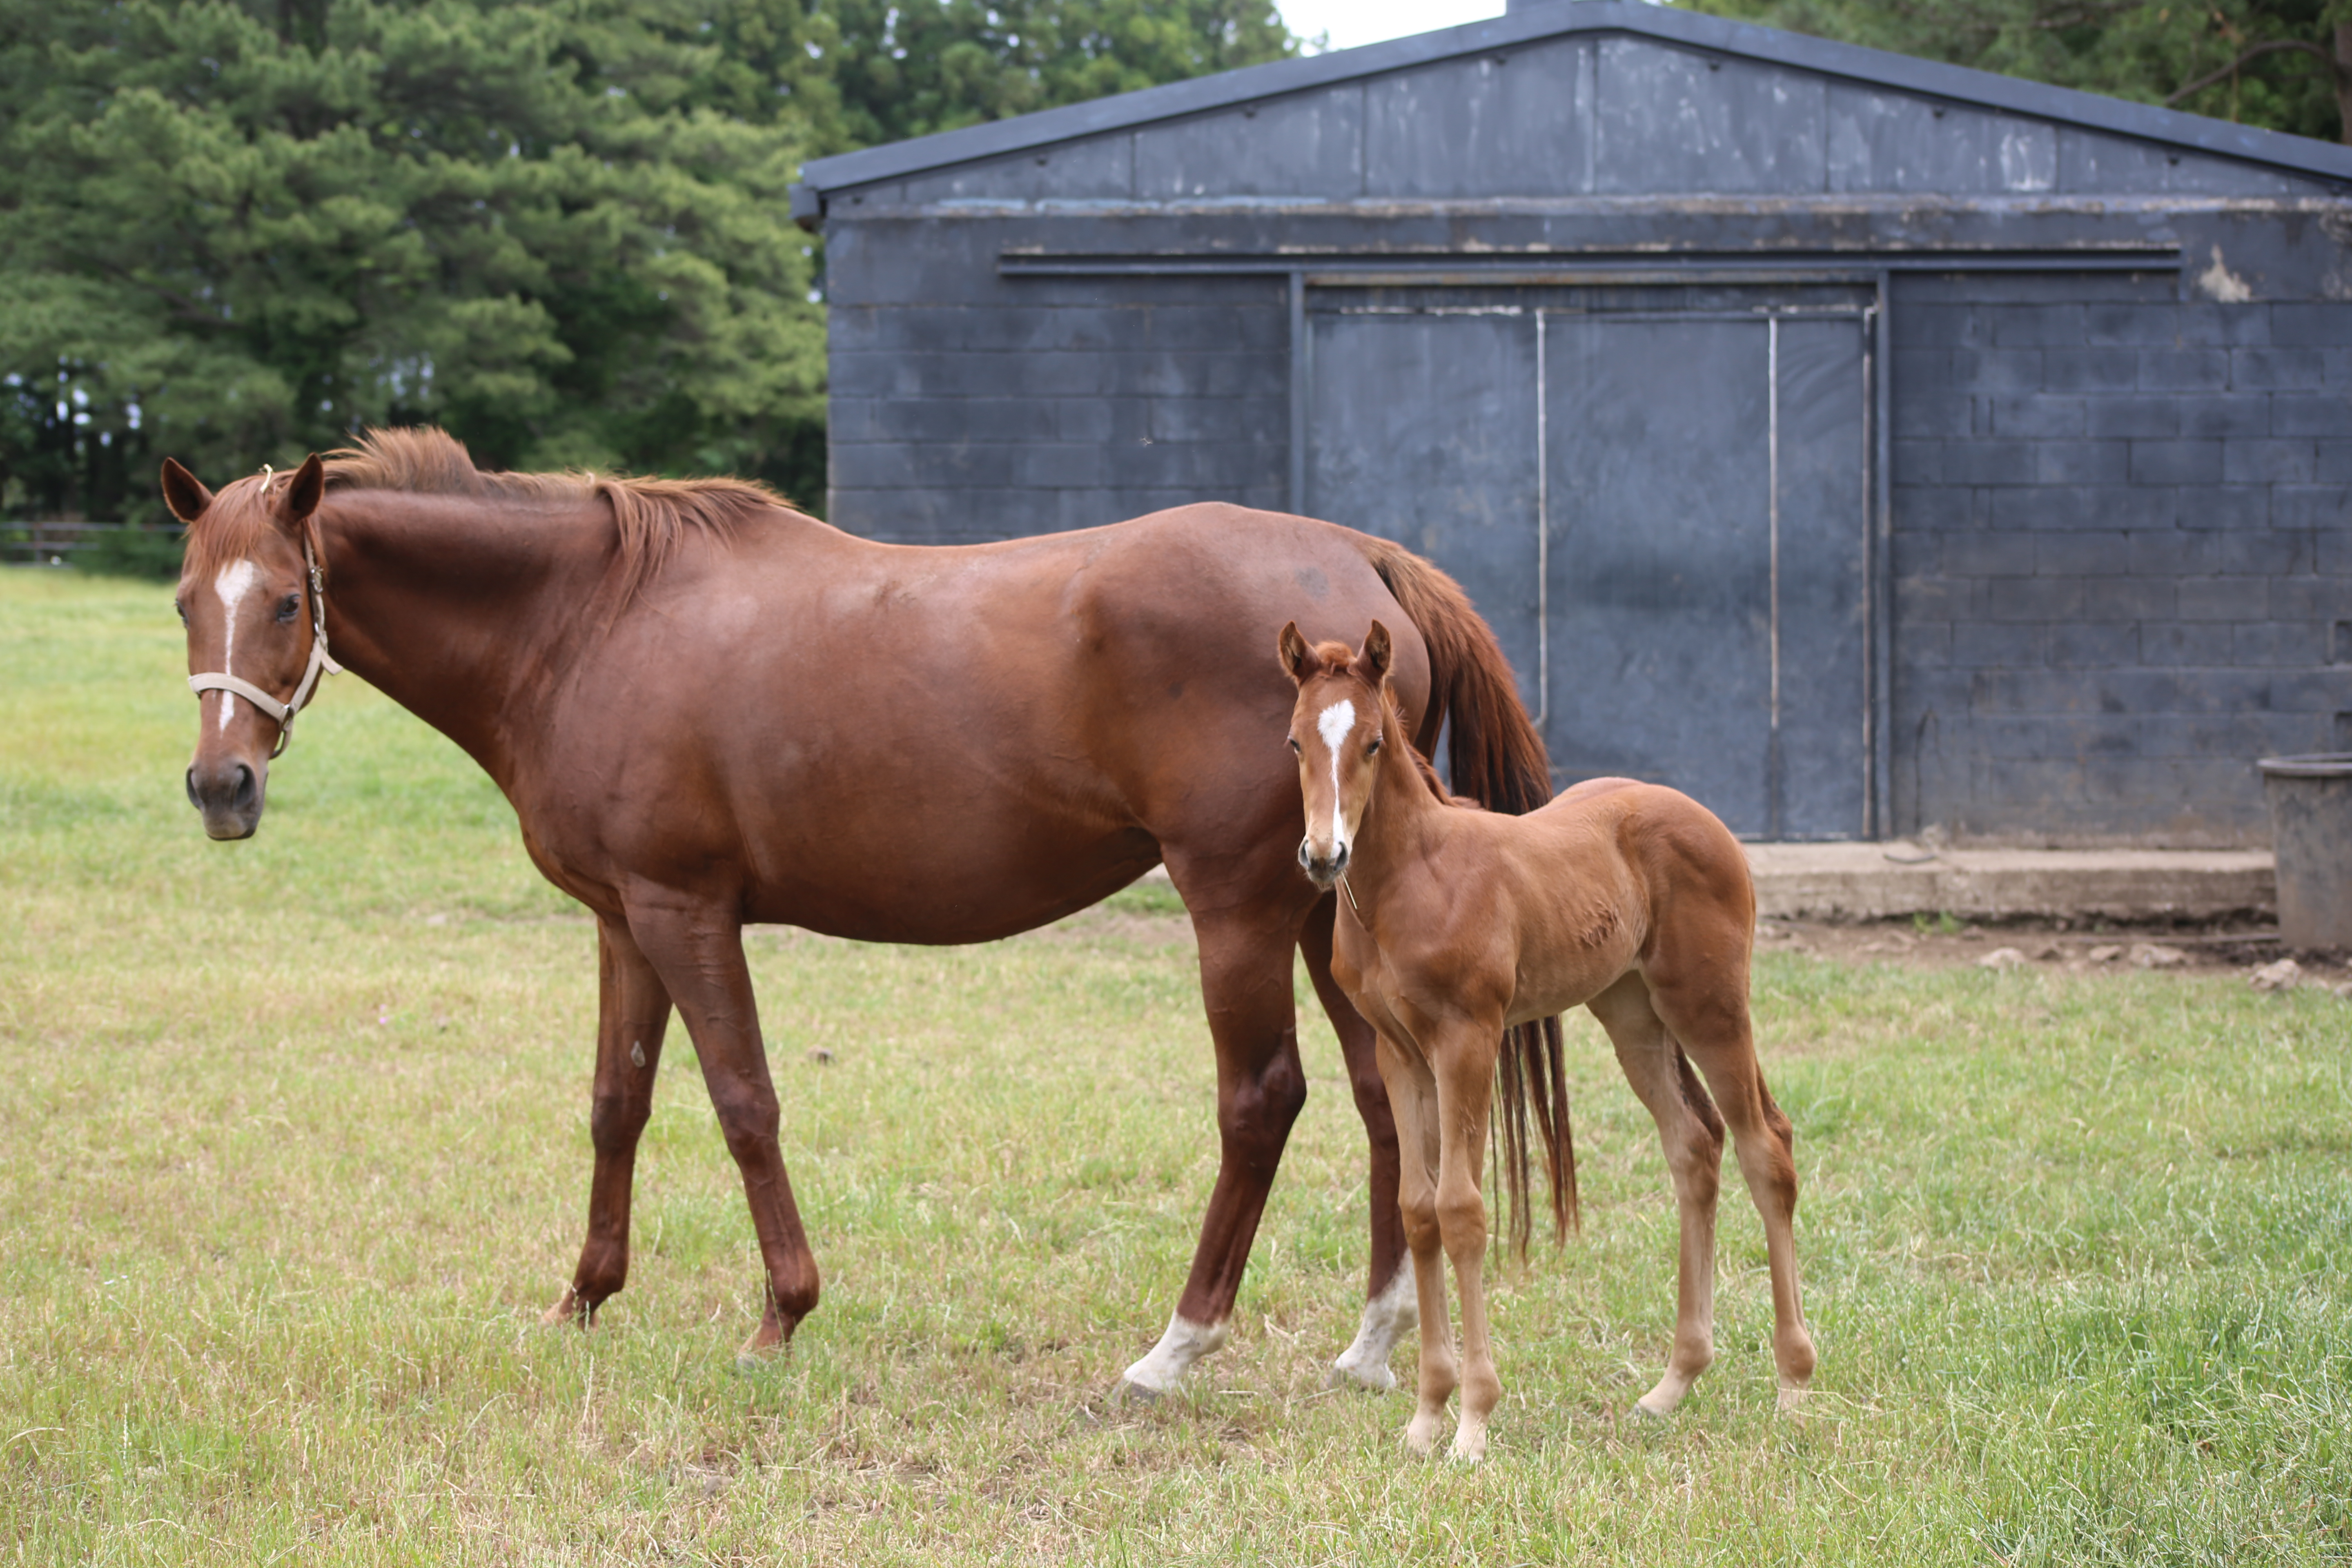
(1494, 753)
(1528, 1070)
(1496, 759)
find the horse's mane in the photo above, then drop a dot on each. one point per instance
(652, 516)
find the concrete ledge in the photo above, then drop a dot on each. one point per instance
(1877, 881)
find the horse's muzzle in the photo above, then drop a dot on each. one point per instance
(229, 794)
(1322, 870)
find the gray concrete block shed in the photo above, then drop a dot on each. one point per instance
(1865, 444)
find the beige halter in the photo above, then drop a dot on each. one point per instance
(321, 660)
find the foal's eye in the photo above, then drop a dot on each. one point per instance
(1373, 750)
(287, 608)
(1293, 747)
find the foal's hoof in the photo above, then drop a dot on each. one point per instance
(1794, 1399)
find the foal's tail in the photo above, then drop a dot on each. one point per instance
(1496, 759)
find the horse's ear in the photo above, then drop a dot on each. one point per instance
(1372, 664)
(303, 492)
(1296, 657)
(184, 493)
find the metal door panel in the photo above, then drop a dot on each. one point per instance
(1661, 558)
(1425, 433)
(1825, 597)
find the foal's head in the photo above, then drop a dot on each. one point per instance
(245, 597)
(1335, 731)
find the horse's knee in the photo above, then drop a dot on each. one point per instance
(615, 1121)
(748, 1121)
(1419, 1215)
(1259, 1108)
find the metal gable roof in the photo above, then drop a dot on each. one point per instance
(1528, 23)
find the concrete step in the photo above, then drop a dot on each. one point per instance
(1878, 881)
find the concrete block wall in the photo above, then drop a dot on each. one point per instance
(2122, 555)
(966, 406)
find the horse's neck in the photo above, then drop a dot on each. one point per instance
(458, 612)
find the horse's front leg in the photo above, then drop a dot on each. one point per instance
(1391, 1306)
(696, 948)
(633, 1014)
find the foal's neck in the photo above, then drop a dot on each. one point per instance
(1398, 821)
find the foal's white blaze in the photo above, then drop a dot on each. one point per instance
(1184, 1344)
(1387, 1318)
(236, 581)
(1333, 724)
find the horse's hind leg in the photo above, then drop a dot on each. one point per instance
(1245, 983)
(1707, 1012)
(633, 1012)
(1390, 1307)
(1693, 1136)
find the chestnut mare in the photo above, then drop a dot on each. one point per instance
(709, 709)
(1629, 898)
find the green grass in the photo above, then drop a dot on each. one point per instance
(296, 1150)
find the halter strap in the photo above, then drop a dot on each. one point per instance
(320, 662)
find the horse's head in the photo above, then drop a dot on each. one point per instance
(1335, 732)
(246, 595)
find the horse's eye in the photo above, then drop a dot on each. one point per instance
(1293, 747)
(1373, 750)
(287, 608)
(180, 610)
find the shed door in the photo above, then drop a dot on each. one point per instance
(1662, 513)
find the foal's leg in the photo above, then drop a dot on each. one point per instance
(1693, 1136)
(1390, 1308)
(1412, 1095)
(633, 1014)
(1708, 1013)
(1245, 981)
(696, 948)
(1464, 1063)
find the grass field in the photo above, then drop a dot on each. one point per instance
(296, 1150)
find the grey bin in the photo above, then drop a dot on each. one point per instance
(2311, 828)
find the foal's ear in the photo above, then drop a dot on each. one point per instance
(303, 492)
(1296, 657)
(1372, 664)
(184, 493)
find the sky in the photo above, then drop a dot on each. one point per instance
(1354, 22)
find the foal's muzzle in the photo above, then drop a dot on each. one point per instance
(229, 794)
(1322, 870)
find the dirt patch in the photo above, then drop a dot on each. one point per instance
(2207, 948)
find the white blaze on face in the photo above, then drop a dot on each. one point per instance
(236, 581)
(1334, 724)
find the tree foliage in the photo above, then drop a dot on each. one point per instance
(238, 230)
(2285, 65)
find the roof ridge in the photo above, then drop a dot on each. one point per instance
(1526, 23)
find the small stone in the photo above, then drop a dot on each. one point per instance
(2283, 976)
(2147, 955)
(819, 1055)
(2106, 953)
(2001, 958)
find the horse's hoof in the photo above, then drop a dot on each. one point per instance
(1131, 1392)
(1469, 1453)
(1793, 1401)
(1369, 1379)
(1420, 1438)
(568, 1311)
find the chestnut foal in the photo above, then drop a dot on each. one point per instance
(1455, 924)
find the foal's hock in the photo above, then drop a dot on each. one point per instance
(1456, 924)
